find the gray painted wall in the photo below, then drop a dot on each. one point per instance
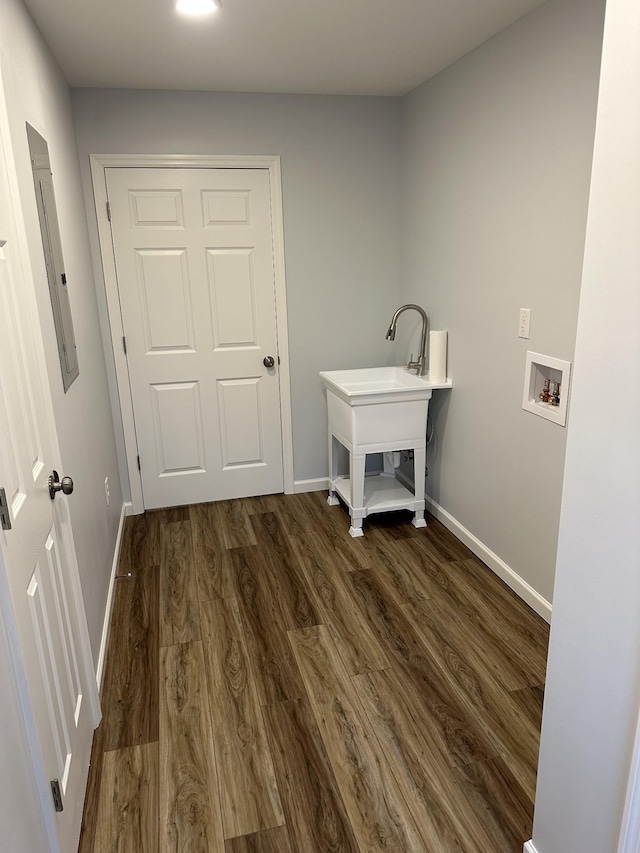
(340, 182)
(36, 92)
(468, 196)
(496, 164)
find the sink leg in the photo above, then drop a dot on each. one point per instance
(356, 509)
(356, 528)
(419, 466)
(333, 499)
(418, 519)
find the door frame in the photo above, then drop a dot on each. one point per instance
(629, 841)
(99, 164)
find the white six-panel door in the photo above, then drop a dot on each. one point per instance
(42, 608)
(193, 252)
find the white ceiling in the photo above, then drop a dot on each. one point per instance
(336, 47)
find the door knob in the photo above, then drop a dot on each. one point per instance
(268, 361)
(55, 486)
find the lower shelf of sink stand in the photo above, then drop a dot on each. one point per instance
(382, 493)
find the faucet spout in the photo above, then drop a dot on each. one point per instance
(418, 365)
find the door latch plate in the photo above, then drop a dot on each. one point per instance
(5, 517)
(57, 795)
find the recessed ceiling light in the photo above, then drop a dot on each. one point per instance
(197, 8)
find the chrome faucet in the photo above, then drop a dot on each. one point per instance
(418, 365)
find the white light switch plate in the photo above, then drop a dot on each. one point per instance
(525, 323)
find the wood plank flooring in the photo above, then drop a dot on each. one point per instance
(274, 686)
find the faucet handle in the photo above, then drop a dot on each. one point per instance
(418, 365)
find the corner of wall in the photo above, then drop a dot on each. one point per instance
(106, 623)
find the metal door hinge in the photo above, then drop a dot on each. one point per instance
(57, 795)
(5, 518)
(139, 468)
(124, 344)
(109, 211)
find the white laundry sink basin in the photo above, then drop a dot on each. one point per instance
(370, 385)
(374, 406)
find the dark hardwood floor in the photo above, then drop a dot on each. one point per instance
(274, 686)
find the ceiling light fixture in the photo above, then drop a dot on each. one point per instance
(197, 8)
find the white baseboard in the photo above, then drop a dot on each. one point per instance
(529, 848)
(506, 573)
(107, 611)
(128, 508)
(316, 485)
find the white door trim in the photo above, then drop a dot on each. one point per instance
(98, 165)
(629, 841)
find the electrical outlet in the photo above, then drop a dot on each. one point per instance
(525, 323)
(106, 490)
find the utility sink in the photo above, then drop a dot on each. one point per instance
(375, 410)
(368, 385)
(394, 406)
